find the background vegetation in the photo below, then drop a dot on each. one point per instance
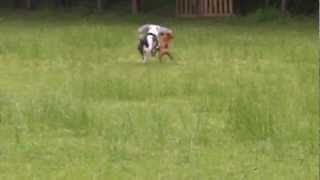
(305, 7)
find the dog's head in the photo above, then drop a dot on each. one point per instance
(166, 37)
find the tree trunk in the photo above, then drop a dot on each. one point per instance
(99, 5)
(284, 7)
(267, 3)
(29, 4)
(135, 7)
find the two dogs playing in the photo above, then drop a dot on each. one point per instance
(150, 45)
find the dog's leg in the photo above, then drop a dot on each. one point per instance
(160, 58)
(146, 55)
(165, 53)
(148, 50)
(145, 58)
(170, 56)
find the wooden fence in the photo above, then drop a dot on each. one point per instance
(205, 8)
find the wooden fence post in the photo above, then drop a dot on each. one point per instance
(220, 7)
(215, 4)
(231, 7)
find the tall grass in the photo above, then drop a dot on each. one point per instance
(239, 102)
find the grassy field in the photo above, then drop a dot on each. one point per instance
(239, 102)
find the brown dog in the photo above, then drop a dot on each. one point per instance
(165, 41)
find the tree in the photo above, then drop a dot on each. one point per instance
(99, 4)
(135, 6)
(29, 4)
(267, 3)
(284, 6)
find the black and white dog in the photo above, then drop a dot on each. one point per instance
(148, 46)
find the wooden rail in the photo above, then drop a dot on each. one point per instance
(206, 8)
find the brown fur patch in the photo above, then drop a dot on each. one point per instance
(165, 42)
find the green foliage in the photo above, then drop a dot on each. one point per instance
(159, 7)
(265, 15)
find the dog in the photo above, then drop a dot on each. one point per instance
(165, 42)
(148, 47)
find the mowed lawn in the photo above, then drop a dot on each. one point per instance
(240, 101)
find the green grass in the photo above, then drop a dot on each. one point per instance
(239, 102)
